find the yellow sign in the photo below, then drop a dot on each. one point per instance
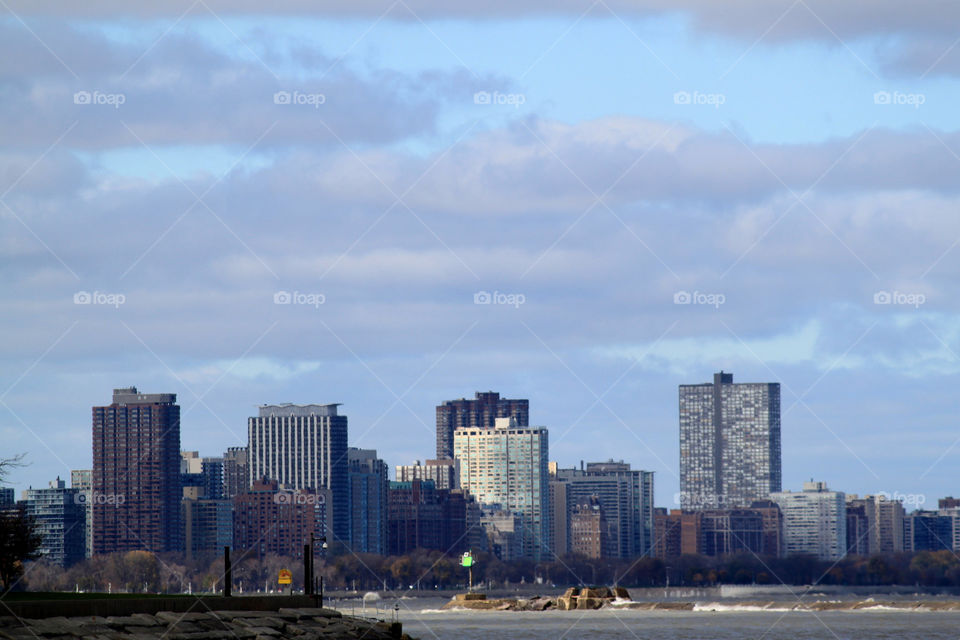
(285, 577)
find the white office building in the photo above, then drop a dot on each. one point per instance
(814, 521)
(303, 446)
(507, 466)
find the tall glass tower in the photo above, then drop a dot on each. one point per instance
(729, 443)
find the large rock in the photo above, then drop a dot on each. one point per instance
(302, 624)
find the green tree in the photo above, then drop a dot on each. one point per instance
(19, 540)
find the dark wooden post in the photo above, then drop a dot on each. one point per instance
(227, 573)
(307, 569)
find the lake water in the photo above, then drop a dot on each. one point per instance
(426, 624)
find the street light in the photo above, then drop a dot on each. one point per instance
(318, 593)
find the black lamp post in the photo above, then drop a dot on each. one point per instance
(317, 592)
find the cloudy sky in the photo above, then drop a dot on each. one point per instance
(307, 205)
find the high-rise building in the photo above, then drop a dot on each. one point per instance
(772, 519)
(884, 522)
(136, 473)
(82, 481)
(444, 473)
(236, 476)
(61, 520)
(729, 443)
(268, 519)
(814, 521)
(369, 483)
(303, 446)
(507, 466)
(927, 531)
(212, 471)
(479, 413)
(6, 496)
(207, 523)
(625, 495)
(588, 529)
(421, 516)
(858, 532)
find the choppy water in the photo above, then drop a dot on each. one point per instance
(668, 625)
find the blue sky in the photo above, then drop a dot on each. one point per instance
(744, 159)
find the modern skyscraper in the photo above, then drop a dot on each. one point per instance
(136, 473)
(507, 466)
(625, 495)
(814, 521)
(303, 446)
(729, 443)
(6, 496)
(236, 475)
(479, 413)
(444, 473)
(61, 520)
(369, 483)
(82, 481)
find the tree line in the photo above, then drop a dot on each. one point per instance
(145, 572)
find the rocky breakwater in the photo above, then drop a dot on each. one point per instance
(573, 598)
(300, 624)
(590, 598)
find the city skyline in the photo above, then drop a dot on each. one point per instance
(392, 206)
(527, 505)
(672, 499)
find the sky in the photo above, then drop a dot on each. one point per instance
(392, 204)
